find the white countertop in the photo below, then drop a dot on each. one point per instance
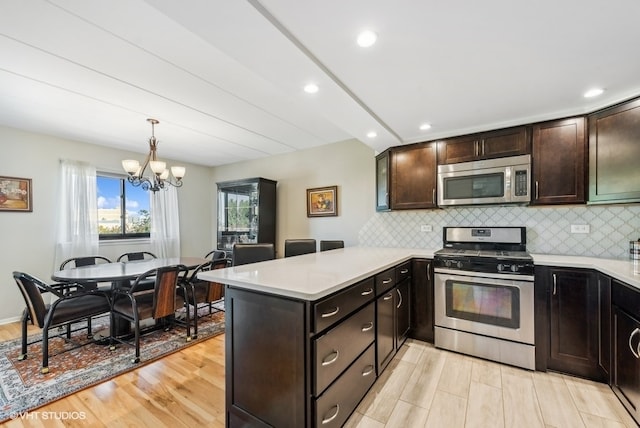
(313, 276)
(623, 270)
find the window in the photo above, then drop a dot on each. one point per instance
(123, 210)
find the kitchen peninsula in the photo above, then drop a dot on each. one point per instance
(302, 333)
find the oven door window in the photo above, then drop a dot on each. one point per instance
(475, 186)
(485, 303)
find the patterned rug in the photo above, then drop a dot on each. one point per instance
(73, 367)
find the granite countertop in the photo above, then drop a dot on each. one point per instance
(314, 276)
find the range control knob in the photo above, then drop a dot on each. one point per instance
(514, 268)
(447, 263)
(459, 264)
(500, 267)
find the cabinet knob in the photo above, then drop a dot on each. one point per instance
(332, 358)
(387, 281)
(368, 326)
(367, 292)
(332, 417)
(368, 371)
(331, 313)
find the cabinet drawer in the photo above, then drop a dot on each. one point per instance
(626, 298)
(335, 350)
(403, 272)
(334, 406)
(334, 308)
(385, 280)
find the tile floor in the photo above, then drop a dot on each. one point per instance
(428, 387)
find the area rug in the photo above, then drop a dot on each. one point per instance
(73, 368)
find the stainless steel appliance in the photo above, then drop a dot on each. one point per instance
(484, 295)
(493, 181)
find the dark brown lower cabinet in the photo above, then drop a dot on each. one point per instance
(298, 363)
(626, 347)
(385, 329)
(573, 324)
(422, 300)
(403, 314)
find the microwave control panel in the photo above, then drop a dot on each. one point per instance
(521, 182)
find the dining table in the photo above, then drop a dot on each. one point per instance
(118, 274)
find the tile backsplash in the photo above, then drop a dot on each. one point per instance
(548, 228)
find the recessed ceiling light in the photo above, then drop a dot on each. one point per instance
(372, 134)
(593, 92)
(367, 38)
(425, 126)
(311, 88)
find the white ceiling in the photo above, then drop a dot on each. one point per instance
(225, 77)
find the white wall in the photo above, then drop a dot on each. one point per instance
(349, 165)
(28, 239)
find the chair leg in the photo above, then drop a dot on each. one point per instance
(137, 339)
(24, 320)
(45, 350)
(189, 325)
(89, 333)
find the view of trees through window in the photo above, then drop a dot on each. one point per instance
(123, 210)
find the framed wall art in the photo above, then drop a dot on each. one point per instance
(15, 194)
(322, 201)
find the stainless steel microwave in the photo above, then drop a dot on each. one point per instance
(493, 181)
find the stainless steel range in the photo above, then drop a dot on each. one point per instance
(484, 299)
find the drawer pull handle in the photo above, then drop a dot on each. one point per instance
(387, 281)
(332, 313)
(399, 298)
(388, 297)
(367, 292)
(403, 271)
(367, 327)
(635, 354)
(326, 362)
(368, 371)
(332, 417)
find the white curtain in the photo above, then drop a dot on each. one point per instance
(165, 223)
(77, 233)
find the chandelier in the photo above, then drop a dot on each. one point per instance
(159, 179)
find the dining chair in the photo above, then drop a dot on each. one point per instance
(298, 247)
(200, 291)
(73, 304)
(216, 254)
(76, 262)
(331, 245)
(136, 256)
(136, 303)
(252, 253)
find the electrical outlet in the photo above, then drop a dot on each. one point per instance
(426, 228)
(580, 228)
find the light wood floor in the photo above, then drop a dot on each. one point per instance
(422, 387)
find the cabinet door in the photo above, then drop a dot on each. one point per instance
(413, 176)
(459, 149)
(385, 329)
(626, 374)
(559, 162)
(573, 326)
(421, 300)
(403, 314)
(504, 142)
(614, 150)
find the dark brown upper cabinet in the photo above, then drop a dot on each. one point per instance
(614, 154)
(485, 145)
(413, 176)
(559, 162)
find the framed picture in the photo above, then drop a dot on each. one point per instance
(322, 201)
(15, 194)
